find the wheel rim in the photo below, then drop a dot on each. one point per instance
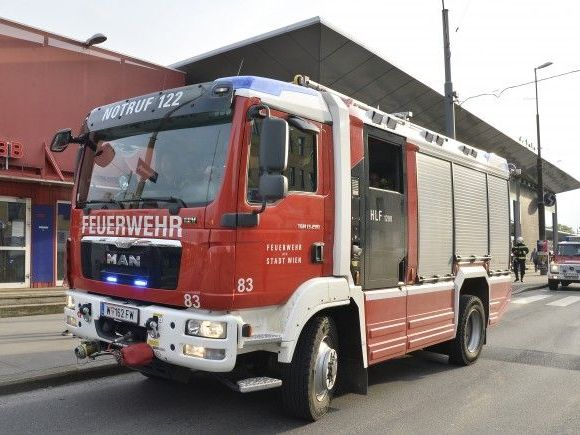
(473, 331)
(325, 370)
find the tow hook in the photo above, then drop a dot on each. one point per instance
(152, 326)
(85, 311)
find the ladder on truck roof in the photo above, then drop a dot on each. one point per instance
(392, 120)
(374, 112)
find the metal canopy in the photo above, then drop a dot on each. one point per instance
(314, 48)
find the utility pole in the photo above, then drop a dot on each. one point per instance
(539, 169)
(449, 94)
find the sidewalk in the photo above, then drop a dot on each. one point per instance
(16, 302)
(532, 281)
(34, 354)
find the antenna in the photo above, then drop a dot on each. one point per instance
(240, 68)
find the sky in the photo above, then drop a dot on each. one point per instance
(495, 44)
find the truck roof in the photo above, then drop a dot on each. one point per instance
(304, 101)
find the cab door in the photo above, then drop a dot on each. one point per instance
(385, 210)
(287, 246)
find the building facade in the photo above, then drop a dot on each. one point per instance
(49, 82)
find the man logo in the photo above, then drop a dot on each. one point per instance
(124, 260)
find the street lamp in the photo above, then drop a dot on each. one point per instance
(541, 209)
(97, 38)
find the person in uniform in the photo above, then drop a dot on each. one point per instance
(520, 252)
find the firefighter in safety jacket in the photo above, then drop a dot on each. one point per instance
(520, 251)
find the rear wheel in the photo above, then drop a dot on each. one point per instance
(309, 381)
(553, 284)
(466, 346)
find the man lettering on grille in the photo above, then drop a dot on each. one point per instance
(520, 251)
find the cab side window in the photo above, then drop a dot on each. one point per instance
(385, 165)
(302, 165)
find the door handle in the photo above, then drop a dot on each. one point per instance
(318, 252)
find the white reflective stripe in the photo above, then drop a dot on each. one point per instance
(565, 301)
(131, 241)
(529, 299)
(430, 288)
(386, 293)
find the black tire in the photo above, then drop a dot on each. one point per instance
(553, 284)
(466, 347)
(565, 284)
(298, 390)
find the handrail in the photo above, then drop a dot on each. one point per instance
(471, 258)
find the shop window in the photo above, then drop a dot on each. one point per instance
(12, 241)
(62, 233)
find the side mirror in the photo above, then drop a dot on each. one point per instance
(274, 145)
(273, 187)
(61, 140)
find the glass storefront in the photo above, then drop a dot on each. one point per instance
(14, 242)
(62, 232)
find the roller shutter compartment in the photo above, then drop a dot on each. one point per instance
(470, 195)
(499, 222)
(435, 216)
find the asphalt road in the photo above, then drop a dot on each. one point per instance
(527, 381)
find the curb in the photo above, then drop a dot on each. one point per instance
(31, 310)
(59, 376)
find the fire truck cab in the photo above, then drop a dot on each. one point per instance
(281, 235)
(565, 264)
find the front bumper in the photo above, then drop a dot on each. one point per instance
(563, 278)
(169, 345)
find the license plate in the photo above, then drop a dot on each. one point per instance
(120, 312)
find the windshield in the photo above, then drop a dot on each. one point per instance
(155, 169)
(569, 250)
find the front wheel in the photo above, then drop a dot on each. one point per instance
(468, 342)
(553, 284)
(309, 381)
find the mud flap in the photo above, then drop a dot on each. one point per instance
(352, 376)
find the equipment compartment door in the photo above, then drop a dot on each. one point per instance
(385, 217)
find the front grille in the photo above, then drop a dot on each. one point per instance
(157, 266)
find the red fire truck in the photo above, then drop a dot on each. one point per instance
(280, 235)
(565, 265)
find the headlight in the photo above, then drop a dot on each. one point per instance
(554, 268)
(206, 328)
(70, 302)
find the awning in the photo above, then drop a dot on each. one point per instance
(314, 48)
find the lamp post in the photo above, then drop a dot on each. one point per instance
(541, 209)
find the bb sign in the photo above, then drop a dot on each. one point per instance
(13, 150)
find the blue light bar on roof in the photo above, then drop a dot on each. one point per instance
(140, 282)
(267, 86)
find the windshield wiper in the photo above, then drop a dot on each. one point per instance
(102, 201)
